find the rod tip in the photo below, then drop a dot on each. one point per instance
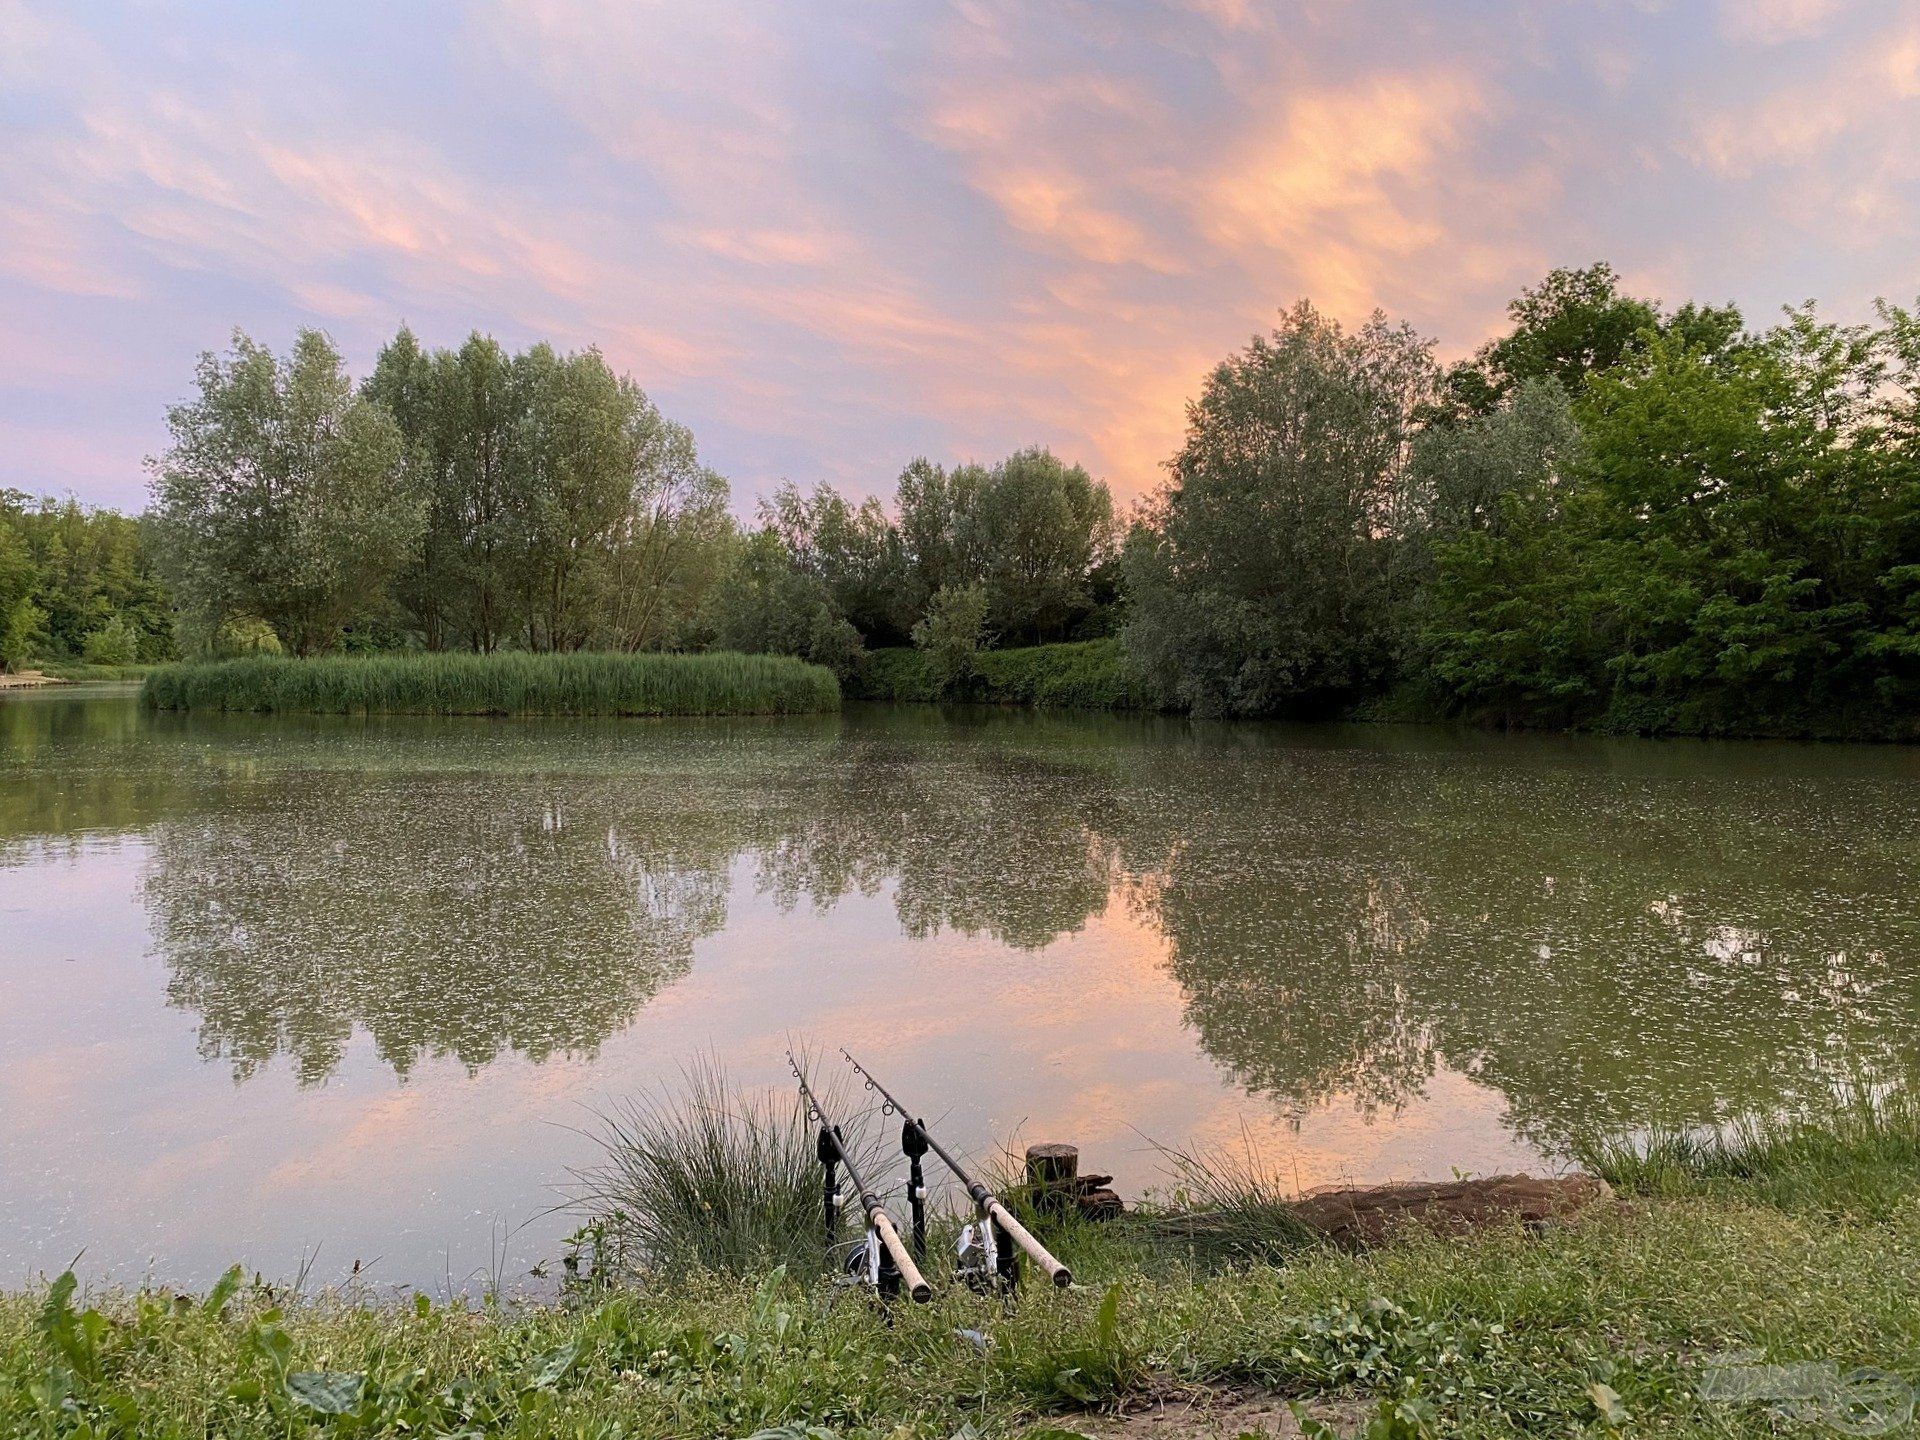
(922, 1293)
(1062, 1278)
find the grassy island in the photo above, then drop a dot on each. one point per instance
(500, 684)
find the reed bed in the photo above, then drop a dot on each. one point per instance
(586, 683)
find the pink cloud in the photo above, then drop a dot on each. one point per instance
(833, 239)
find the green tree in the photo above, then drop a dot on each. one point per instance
(766, 603)
(1718, 559)
(1265, 580)
(21, 621)
(672, 542)
(115, 643)
(1035, 532)
(420, 389)
(1463, 476)
(281, 495)
(69, 572)
(952, 633)
(1573, 325)
(853, 550)
(933, 505)
(569, 484)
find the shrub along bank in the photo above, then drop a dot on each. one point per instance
(1083, 675)
(501, 684)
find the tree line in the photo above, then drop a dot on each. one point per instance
(1616, 514)
(77, 584)
(472, 499)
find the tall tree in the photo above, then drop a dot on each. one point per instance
(281, 495)
(1576, 323)
(670, 545)
(22, 623)
(419, 389)
(1035, 531)
(853, 550)
(481, 418)
(570, 483)
(933, 504)
(1266, 580)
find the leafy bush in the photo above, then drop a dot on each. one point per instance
(114, 643)
(1079, 675)
(952, 633)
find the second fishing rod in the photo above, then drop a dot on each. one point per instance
(915, 1141)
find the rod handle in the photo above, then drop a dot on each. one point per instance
(917, 1285)
(1056, 1272)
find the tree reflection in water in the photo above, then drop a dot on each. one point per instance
(1600, 932)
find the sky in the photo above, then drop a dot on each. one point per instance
(831, 237)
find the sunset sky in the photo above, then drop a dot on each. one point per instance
(833, 236)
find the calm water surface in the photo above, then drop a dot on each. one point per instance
(311, 992)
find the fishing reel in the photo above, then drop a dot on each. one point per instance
(985, 1260)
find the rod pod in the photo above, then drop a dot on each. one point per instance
(987, 1202)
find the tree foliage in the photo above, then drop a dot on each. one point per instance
(1730, 550)
(281, 495)
(1267, 575)
(77, 583)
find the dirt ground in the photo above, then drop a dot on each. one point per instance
(1221, 1415)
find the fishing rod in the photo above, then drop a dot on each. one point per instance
(833, 1151)
(914, 1136)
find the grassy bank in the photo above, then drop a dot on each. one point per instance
(80, 670)
(1775, 1246)
(1615, 1318)
(1083, 675)
(506, 684)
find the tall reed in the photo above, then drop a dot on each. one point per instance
(586, 683)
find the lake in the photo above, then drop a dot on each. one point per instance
(306, 992)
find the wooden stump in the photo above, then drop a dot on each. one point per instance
(1052, 1166)
(1056, 1186)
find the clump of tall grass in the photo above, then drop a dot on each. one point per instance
(1224, 1208)
(708, 1177)
(1858, 1153)
(583, 683)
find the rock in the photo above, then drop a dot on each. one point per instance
(1354, 1217)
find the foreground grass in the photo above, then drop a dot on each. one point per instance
(1857, 1156)
(1080, 675)
(1598, 1325)
(1604, 1325)
(501, 684)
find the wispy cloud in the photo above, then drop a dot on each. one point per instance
(832, 237)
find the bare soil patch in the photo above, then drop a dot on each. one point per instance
(1218, 1415)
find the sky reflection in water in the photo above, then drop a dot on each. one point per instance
(359, 985)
